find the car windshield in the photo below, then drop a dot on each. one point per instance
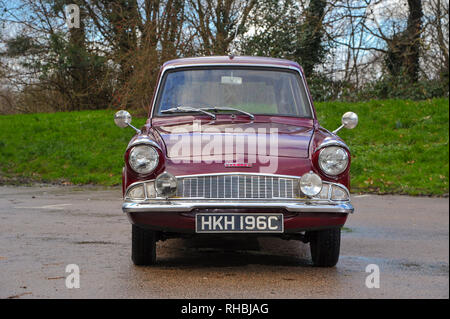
(253, 90)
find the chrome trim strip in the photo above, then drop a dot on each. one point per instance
(240, 173)
(332, 142)
(232, 63)
(143, 140)
(180, 207)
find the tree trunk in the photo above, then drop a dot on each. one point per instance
(414, 30)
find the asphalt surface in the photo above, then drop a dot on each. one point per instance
(43, 229)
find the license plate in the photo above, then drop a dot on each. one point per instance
(239, 223)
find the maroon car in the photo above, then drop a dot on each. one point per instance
(232, 147)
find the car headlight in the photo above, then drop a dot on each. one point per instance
(143, 159)
(333, 160)
(310, 184)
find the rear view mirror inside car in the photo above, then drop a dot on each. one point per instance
(231, 80)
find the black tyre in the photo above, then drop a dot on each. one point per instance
(325, 246)
(143, 246)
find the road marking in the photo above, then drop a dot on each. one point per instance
(360, 196)
(55, 206)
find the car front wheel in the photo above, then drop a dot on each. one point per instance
(143, 246)
(325, 247)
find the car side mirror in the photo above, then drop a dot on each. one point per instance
(122, 119)
(349, 121)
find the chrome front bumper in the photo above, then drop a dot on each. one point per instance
(236, 191)
(182, 206)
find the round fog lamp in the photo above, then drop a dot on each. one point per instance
(310, 184)
(166, 185)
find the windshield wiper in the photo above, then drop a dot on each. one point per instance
(215, 108)
(188, 109)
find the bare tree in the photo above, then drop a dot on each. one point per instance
(217, 22)
(113, 59)
(435, 52)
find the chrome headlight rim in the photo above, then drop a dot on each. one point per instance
(154, 152)
(341, 170)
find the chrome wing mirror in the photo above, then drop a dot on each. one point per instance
(123, 119)
(349, 121)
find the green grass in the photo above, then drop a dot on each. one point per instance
(398, 147)
(78, 147)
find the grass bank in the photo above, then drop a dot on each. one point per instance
(398, 147)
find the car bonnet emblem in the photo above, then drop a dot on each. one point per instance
(238, 164)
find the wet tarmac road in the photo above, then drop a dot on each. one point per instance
(43, 229)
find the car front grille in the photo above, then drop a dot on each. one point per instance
(236, 186)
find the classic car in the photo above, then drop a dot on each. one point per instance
(232, 147)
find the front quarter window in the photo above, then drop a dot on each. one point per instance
(254, 90)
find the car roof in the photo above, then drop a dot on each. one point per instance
(231, 60)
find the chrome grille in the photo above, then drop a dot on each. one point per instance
(235, 186)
